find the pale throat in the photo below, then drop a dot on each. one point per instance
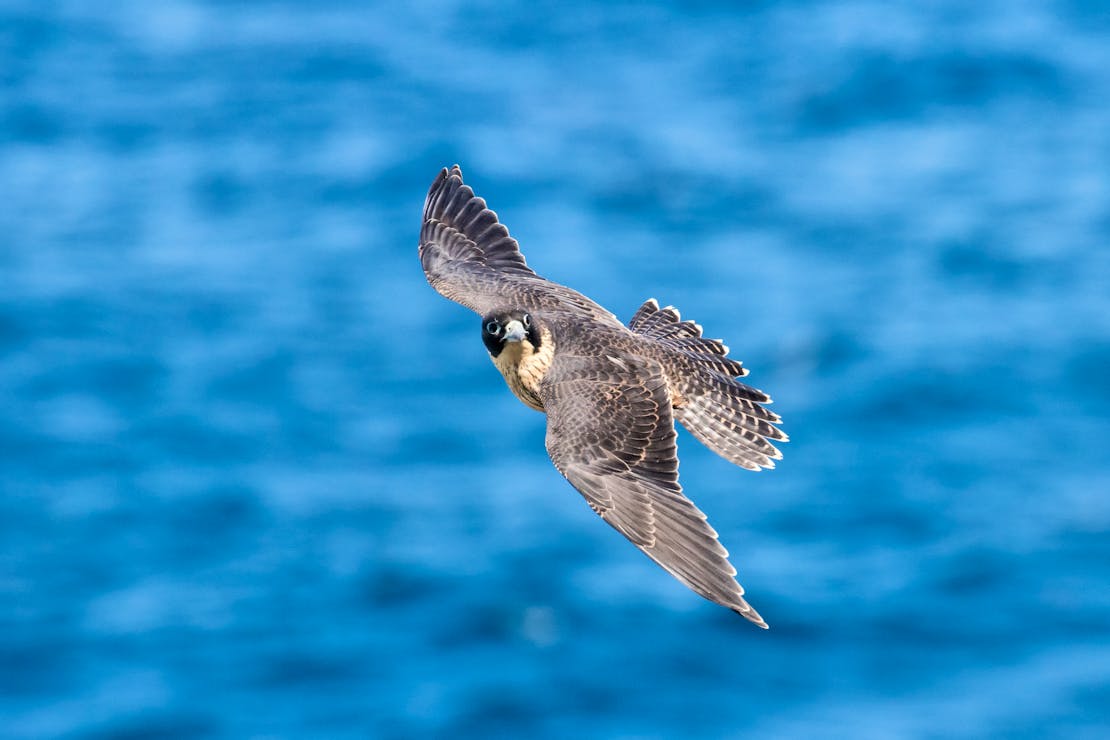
(523, 368)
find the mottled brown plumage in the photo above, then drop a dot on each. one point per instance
(611, 392)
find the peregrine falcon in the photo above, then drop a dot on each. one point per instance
(611, 392)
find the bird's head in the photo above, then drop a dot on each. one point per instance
(501, 329)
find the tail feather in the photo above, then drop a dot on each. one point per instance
(735, 445)
(666, 325)
(708, 346)
(661, 326)
(650, 307)
(744, 399)
(726, 415)
(719, 408)
(726, 366)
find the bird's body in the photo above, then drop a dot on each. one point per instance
(611, 392)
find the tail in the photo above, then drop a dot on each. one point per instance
(726, 415)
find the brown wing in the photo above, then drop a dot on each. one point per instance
(611, 434)
(469, 257)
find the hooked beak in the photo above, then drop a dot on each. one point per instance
(514, 331)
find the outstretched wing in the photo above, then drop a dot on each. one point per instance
(611, 434)
(469, 257)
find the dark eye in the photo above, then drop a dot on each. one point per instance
(527, 321)
(493, 327)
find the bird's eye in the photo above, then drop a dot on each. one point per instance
(527, 321)
(493, 327)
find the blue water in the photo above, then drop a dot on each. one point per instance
(258, 479)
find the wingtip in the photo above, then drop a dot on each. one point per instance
(446, 173)
(752, 616)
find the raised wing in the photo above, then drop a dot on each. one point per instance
(611, 434)
(469, 257)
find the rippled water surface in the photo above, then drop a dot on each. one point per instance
(258, 479)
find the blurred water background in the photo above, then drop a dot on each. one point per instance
(258, 479)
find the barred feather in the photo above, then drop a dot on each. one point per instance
(724, 414)
(611, 395)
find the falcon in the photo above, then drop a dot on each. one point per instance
(611, 392)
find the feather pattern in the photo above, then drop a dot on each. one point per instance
(611, 393)
(469, 257)
(724, 414)
(611, 434)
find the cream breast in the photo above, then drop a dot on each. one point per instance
(524, 367)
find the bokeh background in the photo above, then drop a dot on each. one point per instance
(259, 479)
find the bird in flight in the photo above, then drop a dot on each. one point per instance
(611, 392)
